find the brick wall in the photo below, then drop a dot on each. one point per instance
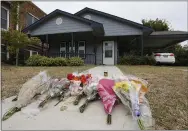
(28, 7)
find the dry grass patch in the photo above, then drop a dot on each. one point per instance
(168, 94)
(13, 77)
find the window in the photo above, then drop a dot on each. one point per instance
(59, 21)
(30, 19)
(63, 49)
(33, 52)
(72, 47)
(108, 50)
(4, 18)
(78, 49)
(87, 17)
(81, 49)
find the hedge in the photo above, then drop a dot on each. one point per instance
(75, 61)
(38, 60)
(137, 60)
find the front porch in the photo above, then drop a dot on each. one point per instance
(74, 44)
(90, 48)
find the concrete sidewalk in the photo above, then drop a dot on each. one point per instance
(51, 118)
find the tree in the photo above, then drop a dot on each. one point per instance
(181, 55)
(157, 25)
(15, 40)
(15, 13)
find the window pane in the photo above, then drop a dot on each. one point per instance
(108, 53)
(108, 50)
(63, 44)
(81, 53)
(3, 13)
(81, 44)
(63, 53)
(71, 47)
(3, 23)
(108, 46)
(34, 53)
(28, 19)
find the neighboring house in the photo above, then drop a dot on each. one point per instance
(28, 14)
(98, 37)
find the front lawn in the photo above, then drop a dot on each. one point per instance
(168, 94)
(13, 77)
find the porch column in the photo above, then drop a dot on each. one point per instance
(47, 43)
(142, 45)
(72, 41)
(42, 48)
(95, 50)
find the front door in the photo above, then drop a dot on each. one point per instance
(108, 52)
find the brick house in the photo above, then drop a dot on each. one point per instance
(28, 14)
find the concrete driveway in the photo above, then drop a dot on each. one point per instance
(51, 118)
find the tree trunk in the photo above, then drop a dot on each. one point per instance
(17, 56)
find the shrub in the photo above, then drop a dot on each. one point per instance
(34, 60)
(137, 60)
(75, 61)
(37, 60)
(45, 61)
(181, 55)
(58, 61)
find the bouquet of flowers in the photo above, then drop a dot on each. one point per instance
(90, 90)
(58, 87)
(78, 81)
(79, 77)
(36, 85)
(131, 92)
(107, 96)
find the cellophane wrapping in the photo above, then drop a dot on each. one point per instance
(107, 94)
(131, 91)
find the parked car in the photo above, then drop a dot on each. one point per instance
(164, 58)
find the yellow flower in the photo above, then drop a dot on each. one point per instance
(143, 85)
(124, 85)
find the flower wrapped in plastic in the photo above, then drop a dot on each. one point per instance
(58, 87)
(90, 90)
(78, 81)
(131, 92)
(107, 96)
(38, 84)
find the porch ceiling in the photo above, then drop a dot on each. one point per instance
(163, 39)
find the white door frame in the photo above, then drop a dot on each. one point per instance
(111, 59)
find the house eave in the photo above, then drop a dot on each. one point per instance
(145, 29)
(97, 27)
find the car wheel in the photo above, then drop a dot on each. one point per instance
(157, 63)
